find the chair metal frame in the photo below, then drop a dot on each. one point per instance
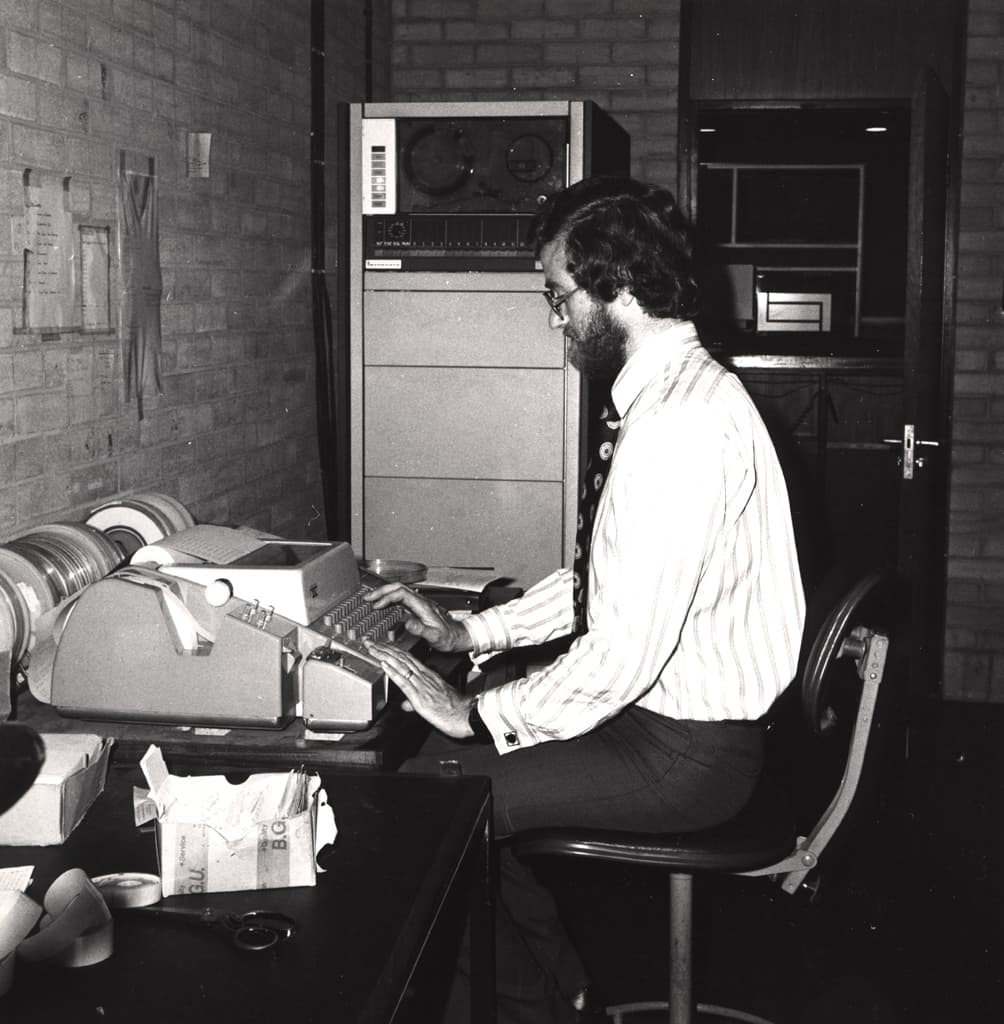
(869, 650)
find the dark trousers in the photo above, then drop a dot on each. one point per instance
(639, 772)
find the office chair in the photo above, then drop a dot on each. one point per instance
(763, 838)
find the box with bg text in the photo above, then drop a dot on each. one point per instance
(214, 836)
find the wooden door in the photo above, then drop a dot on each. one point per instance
(899, 499)
(923, 448)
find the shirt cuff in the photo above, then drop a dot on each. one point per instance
(505, 735)
(487, 631)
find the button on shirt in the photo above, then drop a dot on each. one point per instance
(695, 605)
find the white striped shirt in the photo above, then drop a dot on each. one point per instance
(695, 606)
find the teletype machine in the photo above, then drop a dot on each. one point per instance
(225, 626)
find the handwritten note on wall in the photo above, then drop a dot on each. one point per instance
(48, 252)
(95, 296)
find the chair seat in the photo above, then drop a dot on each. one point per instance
(761, 834)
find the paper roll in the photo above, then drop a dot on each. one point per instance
(145, 527)
(154, 554)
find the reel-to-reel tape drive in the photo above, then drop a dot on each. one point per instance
(451, 192)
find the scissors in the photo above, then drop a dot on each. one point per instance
(254, 930)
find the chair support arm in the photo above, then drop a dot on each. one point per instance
(870, 650)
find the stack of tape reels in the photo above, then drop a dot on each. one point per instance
(43, 569)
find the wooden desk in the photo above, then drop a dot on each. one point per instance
(410, 851)
(395, 736)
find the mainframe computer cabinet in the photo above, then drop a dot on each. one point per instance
(465, 414)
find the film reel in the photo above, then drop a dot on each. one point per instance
(140, 519)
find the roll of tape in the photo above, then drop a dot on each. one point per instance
(128, 889)
(75, 930)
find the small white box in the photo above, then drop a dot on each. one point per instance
(272, 855)
(70, 780)
(794, 311)
(206, 843)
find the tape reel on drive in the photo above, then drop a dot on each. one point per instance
(462, 191)
(480, 164)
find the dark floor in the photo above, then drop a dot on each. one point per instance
(906, 923)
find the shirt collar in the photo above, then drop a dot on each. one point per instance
(659, 352)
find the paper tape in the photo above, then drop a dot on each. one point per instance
(91, 947)
(76, 929)
(18, 915)
(128, 889)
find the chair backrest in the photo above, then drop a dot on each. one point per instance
(827, 694)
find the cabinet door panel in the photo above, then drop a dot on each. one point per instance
(512, 526)
(462, 422)
(460, 329)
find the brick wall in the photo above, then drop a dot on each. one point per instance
(974, 662)
(622, 54)
(233, 435)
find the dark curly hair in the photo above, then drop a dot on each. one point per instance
(622, 233)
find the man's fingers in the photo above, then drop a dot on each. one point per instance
(398, 593)
(391, 662)
(402, 667)
(389, 593)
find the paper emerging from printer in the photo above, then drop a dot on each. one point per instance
(204, 542)
(216, 836)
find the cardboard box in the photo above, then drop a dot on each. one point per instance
(70, 780)
(213, 836)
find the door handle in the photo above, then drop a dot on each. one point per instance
(908, 443)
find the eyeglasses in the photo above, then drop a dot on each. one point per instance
(557, 301)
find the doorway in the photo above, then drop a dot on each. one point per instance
(821, 245)
(802, 200)
(801, 225)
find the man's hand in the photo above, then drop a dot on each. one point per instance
(428, 620)
(425, 691)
